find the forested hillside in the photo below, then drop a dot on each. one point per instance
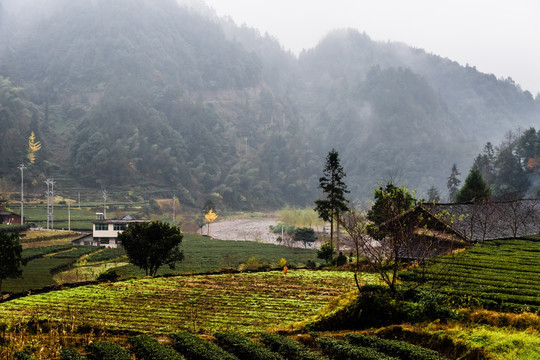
(148, 95)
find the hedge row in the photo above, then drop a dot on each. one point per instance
(234, 346)
(106, 255)
(340, 349)
(289, 348)
(105, 350)
(36, 253)
(195, 348)
(399, 349)
(147, 348)
(244, 348)
(70, 354)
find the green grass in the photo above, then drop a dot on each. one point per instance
(80, 218)
(244, 302)
(498, 275)
(204, 255)
(499, 343)
(39, 272)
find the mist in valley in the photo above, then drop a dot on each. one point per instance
(159, 98)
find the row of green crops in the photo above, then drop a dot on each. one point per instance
(234, 346)
(44, 263)
(241, 302)
(202, 255)
(106, 254)
(499, 275)
(38, 252)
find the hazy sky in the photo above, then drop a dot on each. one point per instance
(497, 36)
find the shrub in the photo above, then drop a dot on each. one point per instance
(310, 264)
(339, 349)
(399, 349)
(195, 348)
(341, 259)
(105, 350)
(376, 307)
(244, 348)
(70, 354)
(252, 263)
(24, 355)
(147, 348)
(288, 348)
(109, 275)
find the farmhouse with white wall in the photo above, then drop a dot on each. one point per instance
(105, 231)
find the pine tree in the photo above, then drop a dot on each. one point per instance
(453, 183)
(475, 188)
(332, 184)
(433, 195)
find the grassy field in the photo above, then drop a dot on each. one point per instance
(40, 272)
(500, 275)
(80, 218)
(202, 255)
(243, 302)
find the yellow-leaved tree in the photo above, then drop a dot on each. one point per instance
(33, 147)
(210, 217)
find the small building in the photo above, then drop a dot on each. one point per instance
(8, 217)
(105, 231)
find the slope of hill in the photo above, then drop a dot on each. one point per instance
(148, 95)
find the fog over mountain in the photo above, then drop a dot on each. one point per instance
(154, 98)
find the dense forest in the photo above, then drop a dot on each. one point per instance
(150, 95)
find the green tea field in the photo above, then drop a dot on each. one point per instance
(243, 302)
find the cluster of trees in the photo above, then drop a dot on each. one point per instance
(507, 172)
(157, 95)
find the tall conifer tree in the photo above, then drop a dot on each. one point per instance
(334, 188)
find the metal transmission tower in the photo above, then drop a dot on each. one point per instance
(50, 203)
(104, 203)
(22, 168)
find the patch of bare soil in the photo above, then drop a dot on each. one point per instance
(252, 230)
(244, 230)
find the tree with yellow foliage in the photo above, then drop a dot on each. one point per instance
(33, 147)
(210, 217)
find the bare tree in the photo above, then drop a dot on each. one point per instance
(410, 239)
(355, 224)
(519, 216)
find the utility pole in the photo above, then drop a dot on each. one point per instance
(50, 207)
(104, 203)
(22, 167)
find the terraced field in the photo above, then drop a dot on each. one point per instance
(244, 302)
(501, 275)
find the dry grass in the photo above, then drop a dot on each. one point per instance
(40, 238)
(499, 319)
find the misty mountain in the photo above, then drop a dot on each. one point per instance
(150, 96)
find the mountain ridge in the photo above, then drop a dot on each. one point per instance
(135, 92)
